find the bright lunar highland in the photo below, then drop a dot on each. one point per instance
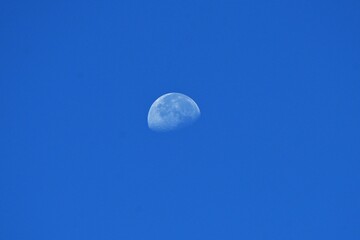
(172, 111)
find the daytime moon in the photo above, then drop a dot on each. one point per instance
(172, 111)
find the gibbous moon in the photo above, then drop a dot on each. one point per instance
(172, 111)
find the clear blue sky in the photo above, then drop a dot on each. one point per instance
(275, 155)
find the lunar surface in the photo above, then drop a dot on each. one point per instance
(172, 111)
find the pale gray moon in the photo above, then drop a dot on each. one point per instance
(172, 111)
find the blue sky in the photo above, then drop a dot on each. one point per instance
(275, 154)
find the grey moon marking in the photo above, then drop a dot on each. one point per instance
(172, 111)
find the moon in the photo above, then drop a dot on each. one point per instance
(172, 111)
